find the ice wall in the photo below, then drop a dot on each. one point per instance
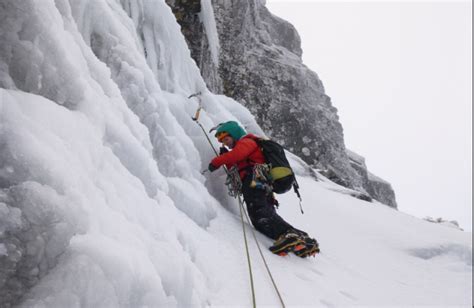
(101, 191)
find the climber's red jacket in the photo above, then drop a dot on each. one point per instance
(244, 155)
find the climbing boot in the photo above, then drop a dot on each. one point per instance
(288, 241)
(310, 249)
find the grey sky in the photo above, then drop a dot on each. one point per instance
(400, 75)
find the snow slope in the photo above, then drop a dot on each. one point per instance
(102, 202)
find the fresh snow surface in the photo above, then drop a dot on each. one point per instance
(102, 200)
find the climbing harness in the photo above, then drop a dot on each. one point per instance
(234, 186)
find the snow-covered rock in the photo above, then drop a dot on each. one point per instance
(376, 187)
(448, 223)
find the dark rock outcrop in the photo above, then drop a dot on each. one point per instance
(376, 187)
(448, 223)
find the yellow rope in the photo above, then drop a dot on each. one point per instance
(265, 261)
(247, 251)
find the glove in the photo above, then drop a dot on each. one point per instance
(223, 150)
(212, 168)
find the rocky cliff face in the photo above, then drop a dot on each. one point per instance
(260, 66)
(376, 187)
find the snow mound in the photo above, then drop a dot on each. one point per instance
(463, 253)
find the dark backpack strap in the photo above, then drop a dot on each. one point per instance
(296, 187)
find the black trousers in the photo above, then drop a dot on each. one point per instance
(262, 212)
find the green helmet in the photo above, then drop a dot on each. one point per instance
(232, 128)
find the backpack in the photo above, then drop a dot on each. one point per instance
(282, 176)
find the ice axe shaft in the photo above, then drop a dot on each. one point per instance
(196, 115)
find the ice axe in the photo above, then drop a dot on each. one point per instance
(198, 111)
(196, 118)
(234, 183)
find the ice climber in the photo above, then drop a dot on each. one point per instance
(247, 156)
